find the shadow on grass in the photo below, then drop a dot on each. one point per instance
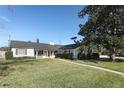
(5, 65)
(5, 70)
(18, 61)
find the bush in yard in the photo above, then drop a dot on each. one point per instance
(95, 56)
(81, 56)
(89, 56)
(65, 55)
(58, 55)
(70, 56)
(9, 55)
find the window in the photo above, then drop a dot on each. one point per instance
(40, 52)
(55, 52)
(21, 51)
(45, 52)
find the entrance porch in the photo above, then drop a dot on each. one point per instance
(39, 54)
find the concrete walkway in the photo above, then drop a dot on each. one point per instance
(95, 67)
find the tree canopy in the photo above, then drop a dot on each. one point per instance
(105, 26)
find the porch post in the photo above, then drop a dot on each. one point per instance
(47, 53)
(36, 53)
(53, 53)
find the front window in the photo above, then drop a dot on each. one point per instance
(21, 51)
(40, 52)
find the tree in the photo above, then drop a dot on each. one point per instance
(74, 39)
(104, 27)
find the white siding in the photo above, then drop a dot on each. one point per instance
(75, 53)
(30, 53)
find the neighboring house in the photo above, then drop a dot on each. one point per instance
(33, 49)
(71, 48)
(3, 51)
(2, 54)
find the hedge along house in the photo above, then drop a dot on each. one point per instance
(71, 48)
(33, 49)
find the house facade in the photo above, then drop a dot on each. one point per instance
(70, 48)
(42, 50)
(33, 49)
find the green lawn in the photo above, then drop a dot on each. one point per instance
(54, 73)
(118, 66)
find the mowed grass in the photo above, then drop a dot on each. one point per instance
(55, 73)
(118, 66)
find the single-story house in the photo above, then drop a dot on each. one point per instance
(33, 49)
(70, 48)
(41, 50)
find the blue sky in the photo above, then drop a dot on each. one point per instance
(48, 23)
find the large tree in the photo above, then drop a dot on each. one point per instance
(105, 26)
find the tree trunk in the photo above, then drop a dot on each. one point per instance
(112, 57)
(112, 54)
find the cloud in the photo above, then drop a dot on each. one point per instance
(4, 19)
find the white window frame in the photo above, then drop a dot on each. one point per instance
(21, 51)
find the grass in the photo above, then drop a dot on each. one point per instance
(118, 66)
(54, 73)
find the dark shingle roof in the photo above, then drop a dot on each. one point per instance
(70, 46)
(37, 46)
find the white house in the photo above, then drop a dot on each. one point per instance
(33, 49)
(70, 48)
(41, 50)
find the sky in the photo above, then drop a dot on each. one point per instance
(48, 23)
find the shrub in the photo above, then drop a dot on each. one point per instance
(81, 56)
(70, 56)
(9, 55)
(65, 55)
(58, 55)
(89, 56)
(95, 56)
